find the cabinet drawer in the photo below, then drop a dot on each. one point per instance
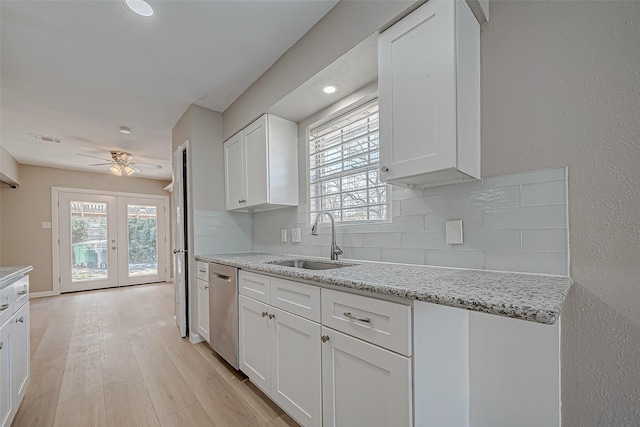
(255, 286)
(20, 292)
(202, 270)
(6, 303)
(384, 323)
(296, 298)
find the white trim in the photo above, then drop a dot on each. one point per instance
(55, 224)
(41, 294)
(107, 193)
(194, 337)
(55, 240)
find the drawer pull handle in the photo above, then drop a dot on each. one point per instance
(264, 314)
(22, 293)
(324, 338)
(3, 307)
(359, 319)
(1, 345)
(206, 286)
(21, 320)
(272, 316)
(202, 271)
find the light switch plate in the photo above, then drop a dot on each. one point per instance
(295, 235)
(283, 235)
(46, 224)
(454, 232)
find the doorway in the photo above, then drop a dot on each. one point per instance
(107, 240)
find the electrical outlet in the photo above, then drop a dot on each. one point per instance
(283, 235)
(295, 235)
(454, 232)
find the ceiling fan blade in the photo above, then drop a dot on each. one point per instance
(135, 168)
(101, 164)
(147, 165)
(93, 157)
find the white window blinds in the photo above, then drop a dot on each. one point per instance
(343, 167)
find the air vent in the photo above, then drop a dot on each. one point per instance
(42, 138)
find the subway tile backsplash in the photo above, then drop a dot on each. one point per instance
(216, 232)
(510, 223)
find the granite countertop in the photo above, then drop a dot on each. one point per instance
(532, 297)
(7, 274)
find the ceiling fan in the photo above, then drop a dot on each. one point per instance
(122, 163)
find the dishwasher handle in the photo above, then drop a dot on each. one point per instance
(215, 275)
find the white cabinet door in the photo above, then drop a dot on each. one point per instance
(6, 393)
(234, 176)
(20, 353)
(296, 380)
(203, 309)
(363, 384)
(255, 142)
(254, 342)
(422, 135)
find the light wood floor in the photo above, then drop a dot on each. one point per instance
(114, 358)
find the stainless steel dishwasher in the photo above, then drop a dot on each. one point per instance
(223, 312)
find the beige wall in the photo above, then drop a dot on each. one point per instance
(24, 241)
(346, 25)
(560, 87)
(203, 129)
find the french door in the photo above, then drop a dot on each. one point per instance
(107, 240)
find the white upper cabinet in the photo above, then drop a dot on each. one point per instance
(235, 187)
(261, 165)
(429, 91)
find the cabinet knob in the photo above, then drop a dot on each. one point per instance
(324, 338)
(21, 320)
(384, 169)
(264, 314)
(272, 316)
(1, 345)
(206, 286)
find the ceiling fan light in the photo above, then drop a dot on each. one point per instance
(129, 170)
(116, 170)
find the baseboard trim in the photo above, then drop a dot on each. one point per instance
(41, 294)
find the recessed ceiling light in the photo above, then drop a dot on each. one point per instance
(329, 89)
(140, 7)
(125, 130)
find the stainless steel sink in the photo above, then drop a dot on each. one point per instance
(309, 265)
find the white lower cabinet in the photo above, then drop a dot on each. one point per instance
(296, 380)
(363, 384)
(318, 375)
(280, 353)
(14, 348)
(203, 308)
(6, 394)
(254, 342)
(20, 352)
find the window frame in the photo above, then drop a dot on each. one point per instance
(322, 119)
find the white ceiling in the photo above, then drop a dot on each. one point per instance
(78, 70)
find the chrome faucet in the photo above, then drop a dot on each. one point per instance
(335, 250)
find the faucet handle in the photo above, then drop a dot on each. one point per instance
(337, 250)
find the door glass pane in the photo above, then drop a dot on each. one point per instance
(88, 241)
(142, 224)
